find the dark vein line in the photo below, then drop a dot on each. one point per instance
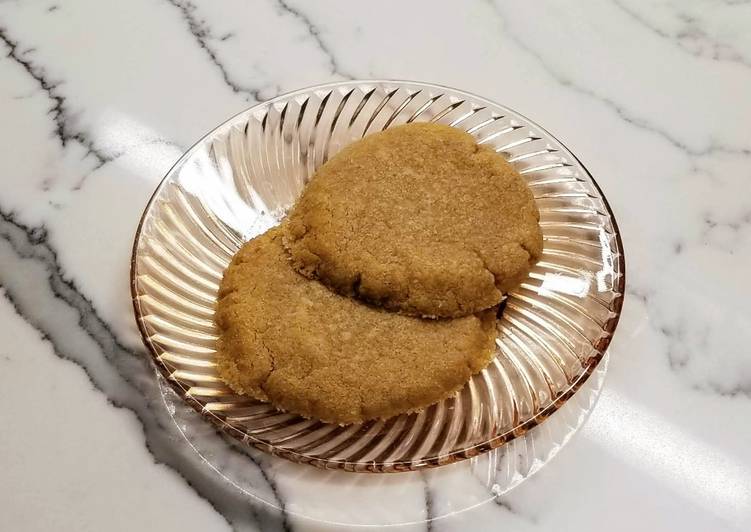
(202, 35)
(59, 112)
(244, 451)
(131, 386)
(428, 496)
(315, 33)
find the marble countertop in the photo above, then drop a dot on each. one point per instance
(99, 99)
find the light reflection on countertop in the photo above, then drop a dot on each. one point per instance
(657, 447)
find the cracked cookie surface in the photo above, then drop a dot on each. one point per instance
(418, 219)
(291, 341)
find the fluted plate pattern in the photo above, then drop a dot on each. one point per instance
(241, 179)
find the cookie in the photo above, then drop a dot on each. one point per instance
(419, 219)
(293, 342)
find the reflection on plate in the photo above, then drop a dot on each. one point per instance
(240, 180)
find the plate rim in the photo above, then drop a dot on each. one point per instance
(397, 466)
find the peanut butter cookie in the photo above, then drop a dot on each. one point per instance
(418, 219)
(291, 341)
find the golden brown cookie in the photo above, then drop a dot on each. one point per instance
(293, 342)
(419, 219)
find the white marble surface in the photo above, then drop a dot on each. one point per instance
(98, 99)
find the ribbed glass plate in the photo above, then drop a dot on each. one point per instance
(241, 179)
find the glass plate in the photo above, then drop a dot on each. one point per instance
(241, 179)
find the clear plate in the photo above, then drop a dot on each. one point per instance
(239, 181)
